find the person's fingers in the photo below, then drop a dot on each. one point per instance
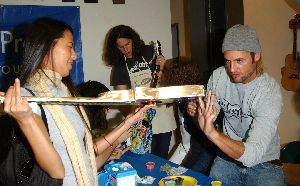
(7, 99)
(140, 114)
(201, 103)
(148, 106)
(192, 108)
(201, 106)
(215, 111)
(13, 96)
(212, 101)
(129, 130)
(143, 110)
(192, 104)
(117, 150)
(160, 60)
(126, 149)
(116, 154)
(208, 101)
(17, 91)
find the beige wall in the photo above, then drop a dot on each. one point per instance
(150, 18)
(177, 12)
(270, 18)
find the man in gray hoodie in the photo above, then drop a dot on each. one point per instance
(251, 100)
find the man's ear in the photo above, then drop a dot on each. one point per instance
(257, 57)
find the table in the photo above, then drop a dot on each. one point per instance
(138, 162)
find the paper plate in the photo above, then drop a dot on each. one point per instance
(187, 180)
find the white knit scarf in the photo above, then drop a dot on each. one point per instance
(40, 82)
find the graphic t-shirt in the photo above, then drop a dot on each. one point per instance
(135, 73)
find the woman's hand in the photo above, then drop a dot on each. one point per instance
(117, 153)
(160, 60)
(192, 108)
(138, 115)
(15, 105)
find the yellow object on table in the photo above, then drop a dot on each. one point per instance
(216, 183)
(187, 181)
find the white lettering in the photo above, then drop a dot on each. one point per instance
(8, 69)
(17, 41)
(143, 64)
(133, 69)
(5, 70)
(3, 41)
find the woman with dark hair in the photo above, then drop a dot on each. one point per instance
(134, 64)
(95, 113)
(97, 118)
(112, 54)
(68, 151)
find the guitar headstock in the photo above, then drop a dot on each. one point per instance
(295, 23)
(157, 47)
(297, 18)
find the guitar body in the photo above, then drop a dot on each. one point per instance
(291, 71)
(291, 74)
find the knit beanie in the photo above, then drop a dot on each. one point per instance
(241, 38)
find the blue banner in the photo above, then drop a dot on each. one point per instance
(13, 19)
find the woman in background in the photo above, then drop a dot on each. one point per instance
(133, 65)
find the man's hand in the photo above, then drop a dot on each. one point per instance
(207, 112)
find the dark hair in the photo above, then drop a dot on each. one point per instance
(96, 114)
(181, 71)
(111, 54)
(40, 38)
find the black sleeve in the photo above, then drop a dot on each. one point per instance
(120, 76)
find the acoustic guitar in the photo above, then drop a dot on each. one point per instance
(291, 71)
